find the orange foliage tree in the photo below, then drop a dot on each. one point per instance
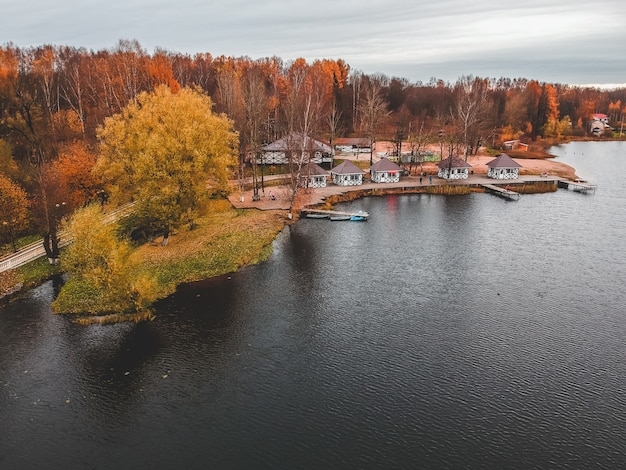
(74, 169)
(13, 210)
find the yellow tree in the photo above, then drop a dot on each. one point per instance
(7, 164)
(168, 152)
(102, 279)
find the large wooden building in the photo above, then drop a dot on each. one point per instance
(296, 147)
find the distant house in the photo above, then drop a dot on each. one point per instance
(599, 124)
(385, 171)
(352, 144)
(453, 168)
(600, 117)
(419, 157)
(503, 167)
(514, 145)
(295, 146)
(347, 174)
(312, 176)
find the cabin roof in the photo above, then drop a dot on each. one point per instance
(456, 163)
(297, 142)
(312, 169)
(384, 164)
(347, 168)
(503, 161)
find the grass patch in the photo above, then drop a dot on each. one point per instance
(222, 242)
(448, 189)
(34, 273)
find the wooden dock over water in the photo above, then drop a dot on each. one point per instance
(578, 186)
(502, 192)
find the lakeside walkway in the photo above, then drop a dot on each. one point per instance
(36, 250)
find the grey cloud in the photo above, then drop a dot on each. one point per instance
(416, 40)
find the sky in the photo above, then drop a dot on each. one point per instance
(556, 41)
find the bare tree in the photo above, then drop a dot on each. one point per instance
(372, 108)
(256, 110)
(418, 140)
(303, 103)
(471, 103)
(333, 120)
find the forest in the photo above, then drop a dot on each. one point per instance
(55, 99)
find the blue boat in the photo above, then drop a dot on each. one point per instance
(359, 217)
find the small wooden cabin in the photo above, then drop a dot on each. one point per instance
(385, 171)
(347, 174)
(312, 176)
(453, 168)
(503, 167)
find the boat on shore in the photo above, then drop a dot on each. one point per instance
(335, 215)
(357, 217)
(338, 217)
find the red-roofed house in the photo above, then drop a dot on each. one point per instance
(599, 124)
(352, 144)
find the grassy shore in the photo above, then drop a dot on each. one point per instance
(221, 242)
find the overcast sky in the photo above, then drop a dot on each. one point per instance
(557, 41)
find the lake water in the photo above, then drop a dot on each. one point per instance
(446, 332)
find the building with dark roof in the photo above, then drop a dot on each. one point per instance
(347, 174)
(453, 168)
(312, 176)
(503, 167)
(385, 171)
(295, 146)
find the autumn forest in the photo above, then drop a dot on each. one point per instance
(54, 100)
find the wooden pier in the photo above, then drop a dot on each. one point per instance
(578, 186)
(502, 192)
(333, 215)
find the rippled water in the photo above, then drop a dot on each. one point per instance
(446, 332)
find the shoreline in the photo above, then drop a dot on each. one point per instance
(529, 174)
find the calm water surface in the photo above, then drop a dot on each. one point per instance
(446, 332)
